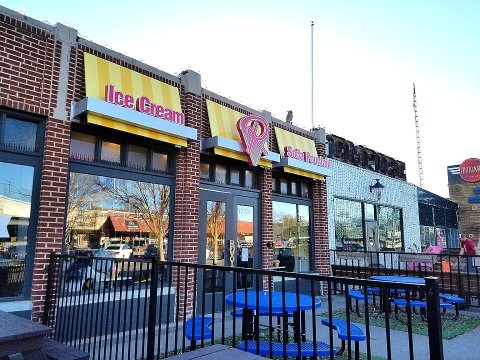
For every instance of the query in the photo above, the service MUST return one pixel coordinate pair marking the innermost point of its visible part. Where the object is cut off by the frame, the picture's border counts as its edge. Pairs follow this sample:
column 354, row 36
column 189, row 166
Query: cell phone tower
column 417, row 129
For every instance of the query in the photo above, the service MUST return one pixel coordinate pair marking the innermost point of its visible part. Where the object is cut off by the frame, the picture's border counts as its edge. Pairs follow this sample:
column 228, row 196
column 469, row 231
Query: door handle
column 232, row 252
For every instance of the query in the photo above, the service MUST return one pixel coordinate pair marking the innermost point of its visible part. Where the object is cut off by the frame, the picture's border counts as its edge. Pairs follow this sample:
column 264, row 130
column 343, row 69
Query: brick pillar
column 53, row 188
column 266, row 219
column 187, row 188
column 320, row 226
column 51, row 211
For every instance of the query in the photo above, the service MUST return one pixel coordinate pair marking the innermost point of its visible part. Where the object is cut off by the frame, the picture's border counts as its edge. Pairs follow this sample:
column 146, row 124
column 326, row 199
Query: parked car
column 88, row 273
column 119, row 251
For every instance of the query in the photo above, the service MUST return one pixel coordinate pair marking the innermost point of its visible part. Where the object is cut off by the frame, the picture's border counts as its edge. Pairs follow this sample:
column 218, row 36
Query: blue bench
column 201, row 331
column 341, row 326
column 422, row 304
column 238, row 312
column 358, row 296
column 455, row 300
column 291, row 349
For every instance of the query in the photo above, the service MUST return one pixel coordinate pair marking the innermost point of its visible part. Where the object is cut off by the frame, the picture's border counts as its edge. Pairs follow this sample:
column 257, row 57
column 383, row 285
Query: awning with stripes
column 225, row 139
column 99, row 73
column 298, row 166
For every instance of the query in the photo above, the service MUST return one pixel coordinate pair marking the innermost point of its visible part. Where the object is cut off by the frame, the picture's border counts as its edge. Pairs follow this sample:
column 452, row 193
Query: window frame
column 33, row 159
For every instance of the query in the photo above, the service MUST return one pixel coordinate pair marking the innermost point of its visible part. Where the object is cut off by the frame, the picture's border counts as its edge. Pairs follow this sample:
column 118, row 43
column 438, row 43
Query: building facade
column 98, row 148
column 464, row 189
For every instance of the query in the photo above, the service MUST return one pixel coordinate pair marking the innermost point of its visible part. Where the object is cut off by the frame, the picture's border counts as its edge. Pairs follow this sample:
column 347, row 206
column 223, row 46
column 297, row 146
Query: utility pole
column 311, row 45
column 419, row 151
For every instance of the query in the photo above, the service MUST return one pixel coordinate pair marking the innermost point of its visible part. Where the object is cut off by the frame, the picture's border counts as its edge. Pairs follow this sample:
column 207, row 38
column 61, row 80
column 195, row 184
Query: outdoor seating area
column 172, row 312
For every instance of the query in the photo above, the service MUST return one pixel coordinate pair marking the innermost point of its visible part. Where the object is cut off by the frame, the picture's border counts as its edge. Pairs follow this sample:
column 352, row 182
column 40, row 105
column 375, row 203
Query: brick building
column 97, row 147
column 464, row 189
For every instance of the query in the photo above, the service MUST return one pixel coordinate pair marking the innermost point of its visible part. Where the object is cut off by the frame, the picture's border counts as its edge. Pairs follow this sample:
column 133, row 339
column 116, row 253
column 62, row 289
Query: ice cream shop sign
column 142, row 104
column 306, row 157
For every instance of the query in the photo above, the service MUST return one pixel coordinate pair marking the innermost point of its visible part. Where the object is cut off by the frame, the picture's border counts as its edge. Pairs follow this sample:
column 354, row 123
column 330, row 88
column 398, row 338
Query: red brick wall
column 28, row 72
column 187, row 198
column 29, row 75
column 51, row 211
column 320, row 228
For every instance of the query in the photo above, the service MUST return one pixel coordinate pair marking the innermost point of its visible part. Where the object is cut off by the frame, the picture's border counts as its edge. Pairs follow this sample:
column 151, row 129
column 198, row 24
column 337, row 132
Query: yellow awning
column 121, row 126
column 286, row 138
column 303, row 173
column 99, row 73
column 223, row 123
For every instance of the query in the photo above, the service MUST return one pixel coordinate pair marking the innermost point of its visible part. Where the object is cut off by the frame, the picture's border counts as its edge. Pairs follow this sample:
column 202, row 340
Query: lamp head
column 377, row 188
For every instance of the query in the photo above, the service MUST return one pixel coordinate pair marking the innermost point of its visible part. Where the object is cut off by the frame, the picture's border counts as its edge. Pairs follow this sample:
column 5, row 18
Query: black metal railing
column 148, row 309
column 458, row 274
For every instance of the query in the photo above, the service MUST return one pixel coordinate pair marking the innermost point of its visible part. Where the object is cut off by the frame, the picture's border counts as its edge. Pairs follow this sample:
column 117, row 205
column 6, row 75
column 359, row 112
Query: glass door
column 228, row 234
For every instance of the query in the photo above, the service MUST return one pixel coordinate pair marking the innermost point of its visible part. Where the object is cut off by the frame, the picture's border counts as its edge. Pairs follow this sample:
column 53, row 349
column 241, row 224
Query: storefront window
column 137, row 157
column 369, row 211
column 294, row 188
column 205, row 170
column 235, row 177
column 159, row 162
column 103, row 210
column 390, row 230
column 283, row 186
column 250, row 179
column 110, row 152
column 82, row 146
column 305, row 190
column 291, row 236
column 348, row 225
column 220, row 174
column 19, row 134
column 215, row 249
column 16, row 185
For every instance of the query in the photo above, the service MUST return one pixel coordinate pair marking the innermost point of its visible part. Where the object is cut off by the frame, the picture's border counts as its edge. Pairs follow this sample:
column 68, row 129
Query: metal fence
column 458, row 274
column 148, row 309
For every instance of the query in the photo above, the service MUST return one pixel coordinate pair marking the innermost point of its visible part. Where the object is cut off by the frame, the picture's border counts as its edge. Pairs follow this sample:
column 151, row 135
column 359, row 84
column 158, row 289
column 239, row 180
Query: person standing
column 468, row 247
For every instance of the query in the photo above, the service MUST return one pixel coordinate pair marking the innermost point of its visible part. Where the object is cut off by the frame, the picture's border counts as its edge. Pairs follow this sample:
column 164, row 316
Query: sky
column 366, row 56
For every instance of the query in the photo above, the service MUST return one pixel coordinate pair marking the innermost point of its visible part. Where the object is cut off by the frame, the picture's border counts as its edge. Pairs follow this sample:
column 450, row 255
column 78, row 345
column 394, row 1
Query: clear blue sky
column 367, row 54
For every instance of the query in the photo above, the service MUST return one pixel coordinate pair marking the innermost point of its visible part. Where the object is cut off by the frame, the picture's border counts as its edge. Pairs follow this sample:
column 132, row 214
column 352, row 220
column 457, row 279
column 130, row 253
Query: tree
column 150, row 202
column 83, row 191
column 216, row 225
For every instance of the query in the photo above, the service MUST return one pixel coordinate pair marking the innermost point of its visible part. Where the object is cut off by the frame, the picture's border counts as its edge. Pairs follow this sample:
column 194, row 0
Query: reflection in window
column 389, row 228
column 305, row 190
column 103, row 210
column 250, row 179
column 348, row 225
column 16, row 185
column 205, row 170
column 294, row 188
column 291, row 236
column 235, row 177
column 82, row 146
column 110, row 152
column 215, row 247
column 159, row 162
column 19, row 134
column 274, row 184
column 283, row 186
column 369, row 212
column 137, row 157
column 245, row 244
column 221, row 174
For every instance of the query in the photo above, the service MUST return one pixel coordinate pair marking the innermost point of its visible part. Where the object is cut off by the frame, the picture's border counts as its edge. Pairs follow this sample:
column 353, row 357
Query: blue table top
column 401, row 279
column 305, row 301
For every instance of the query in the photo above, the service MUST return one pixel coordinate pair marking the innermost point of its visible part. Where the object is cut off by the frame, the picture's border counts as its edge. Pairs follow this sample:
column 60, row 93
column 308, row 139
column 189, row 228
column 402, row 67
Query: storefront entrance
column 229, row 236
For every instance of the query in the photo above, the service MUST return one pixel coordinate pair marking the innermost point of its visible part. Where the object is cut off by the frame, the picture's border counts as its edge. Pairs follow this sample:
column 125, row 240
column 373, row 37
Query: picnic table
column 19, row 335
